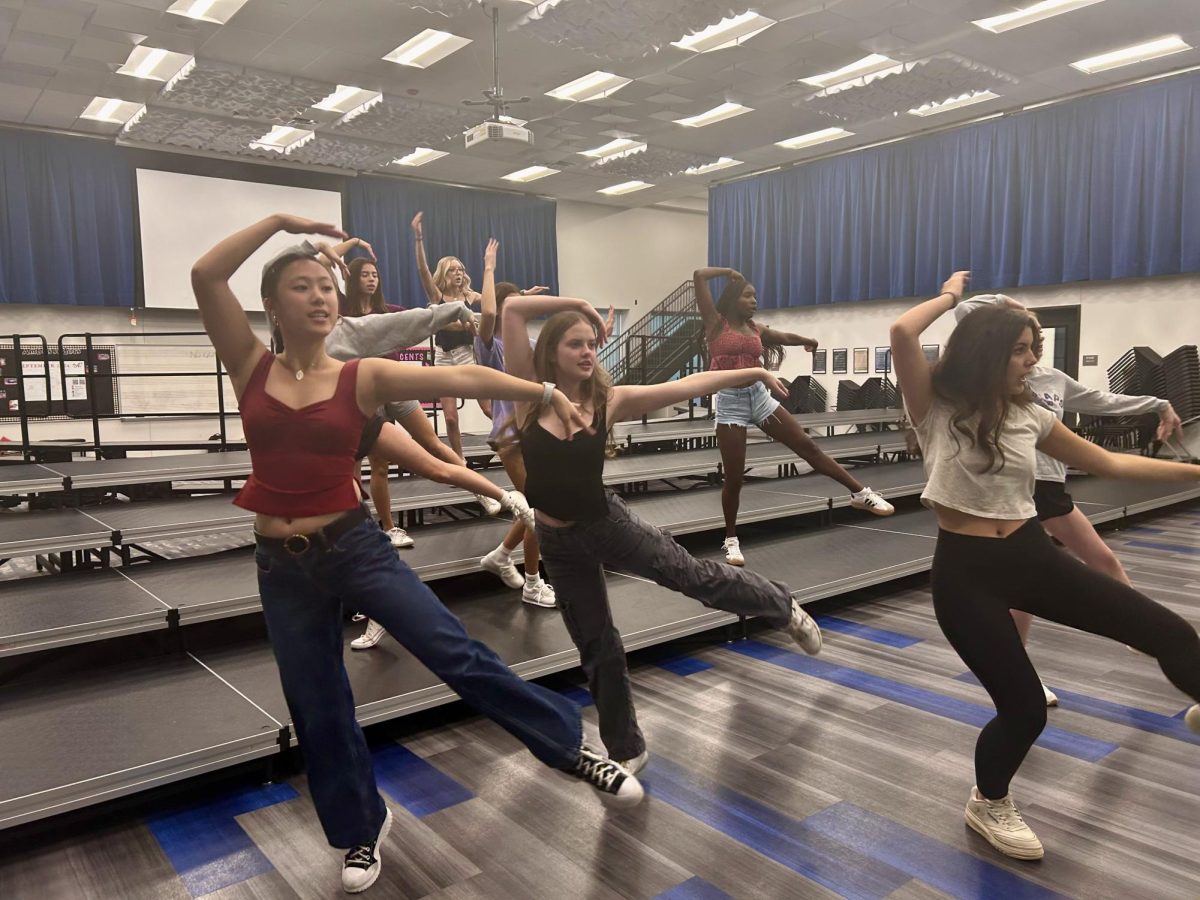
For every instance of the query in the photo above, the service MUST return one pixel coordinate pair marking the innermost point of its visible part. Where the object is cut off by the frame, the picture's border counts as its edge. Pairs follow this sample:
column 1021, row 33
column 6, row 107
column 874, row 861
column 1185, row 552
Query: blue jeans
column 302, row 600
column 575, row 558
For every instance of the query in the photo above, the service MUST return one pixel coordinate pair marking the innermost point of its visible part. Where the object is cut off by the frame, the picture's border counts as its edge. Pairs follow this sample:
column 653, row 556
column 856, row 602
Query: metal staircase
column 665, row 343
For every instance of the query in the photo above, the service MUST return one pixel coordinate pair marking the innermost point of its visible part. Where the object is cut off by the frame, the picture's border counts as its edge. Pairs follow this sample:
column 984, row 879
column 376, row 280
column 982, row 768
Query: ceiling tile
column 56, row 22
column 16, row 101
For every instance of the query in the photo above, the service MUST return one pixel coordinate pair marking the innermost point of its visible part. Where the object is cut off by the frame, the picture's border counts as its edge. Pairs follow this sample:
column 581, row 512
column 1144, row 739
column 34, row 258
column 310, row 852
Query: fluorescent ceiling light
column 1163, row 46
column 593, row 86
column 723, row 163
column 533, row 173
column 716, row 114
column 110, row 109
column 814, row 137
column 419, row 157
column 426, row 48
column 349, row 100
column 216, row 11
column 725, row 33
column 615, row 149
column 155, row 63
column 868, row 65
column 625, row 187
column 1045, row 10
column 930, row 109
column 283, row 139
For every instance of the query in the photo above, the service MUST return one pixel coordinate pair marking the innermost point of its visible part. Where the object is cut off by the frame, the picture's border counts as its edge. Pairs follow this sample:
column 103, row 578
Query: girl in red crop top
column 736, row 341
column 583, row 529
column 317, row 549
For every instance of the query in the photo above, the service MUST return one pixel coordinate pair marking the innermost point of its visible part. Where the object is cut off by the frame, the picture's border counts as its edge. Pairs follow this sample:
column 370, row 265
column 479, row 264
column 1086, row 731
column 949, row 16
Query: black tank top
column 452, row 339
column 564, row 479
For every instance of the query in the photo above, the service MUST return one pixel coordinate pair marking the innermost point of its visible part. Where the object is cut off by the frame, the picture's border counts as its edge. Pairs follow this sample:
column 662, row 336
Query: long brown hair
column 972, row 375
column 358, row 303
column 727, row 303
column 595, row 389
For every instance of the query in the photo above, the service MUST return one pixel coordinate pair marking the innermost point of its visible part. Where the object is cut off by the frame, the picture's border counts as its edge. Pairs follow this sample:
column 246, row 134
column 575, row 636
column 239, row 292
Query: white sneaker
column 872, row 502
column 490, row 507
column 635, row 765
column 505, row 570
column 733, row 552
column 1051, row 697
column 539, row 593
column 1000, row 823
column 804, row 630
column 372, row 636
column 617, row 786
column 1192, row 718
column 363, row 863
column 399, row 538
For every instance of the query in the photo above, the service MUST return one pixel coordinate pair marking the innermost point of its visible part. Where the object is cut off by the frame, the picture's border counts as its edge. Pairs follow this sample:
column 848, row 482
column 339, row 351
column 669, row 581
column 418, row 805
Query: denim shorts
column 455, row 356
column 400, row 409
column 745, row 406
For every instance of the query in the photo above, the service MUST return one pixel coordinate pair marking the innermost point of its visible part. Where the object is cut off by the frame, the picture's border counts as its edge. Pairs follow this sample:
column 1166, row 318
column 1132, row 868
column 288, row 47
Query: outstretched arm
column 1068, row 447
column 518, row 357
column 357, row 337
column 350, row 243
column 431, row 292
column 908, row 360
column 1078, row 398
column 222, row 314
column 487, row 298
column 787, row 339
column 630, row 401
column 704, row 298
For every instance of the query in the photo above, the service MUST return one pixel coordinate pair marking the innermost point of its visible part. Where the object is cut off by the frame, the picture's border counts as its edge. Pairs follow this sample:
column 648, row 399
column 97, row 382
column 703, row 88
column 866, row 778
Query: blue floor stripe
column 580, row 695
column 953, row 871
column 1143, row 529
column 1132, row 716
column 695, row 888
column 682, row 665
column 206, row 845
column 416, row 785
column 866, row 632
column 779, row 837
column 1169, row 548
column 1052, row 738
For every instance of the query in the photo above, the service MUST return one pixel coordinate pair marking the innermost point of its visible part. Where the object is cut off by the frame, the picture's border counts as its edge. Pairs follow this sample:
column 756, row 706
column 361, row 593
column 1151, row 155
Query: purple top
column 503, row 411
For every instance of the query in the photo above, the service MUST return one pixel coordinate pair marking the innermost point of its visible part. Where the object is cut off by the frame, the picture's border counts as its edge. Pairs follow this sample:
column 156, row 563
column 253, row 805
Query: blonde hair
column 441, row 279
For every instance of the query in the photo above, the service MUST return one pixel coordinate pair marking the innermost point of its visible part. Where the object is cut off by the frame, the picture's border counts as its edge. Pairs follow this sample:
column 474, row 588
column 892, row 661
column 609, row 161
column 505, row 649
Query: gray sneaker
column 1001, row 824
column 804, row 630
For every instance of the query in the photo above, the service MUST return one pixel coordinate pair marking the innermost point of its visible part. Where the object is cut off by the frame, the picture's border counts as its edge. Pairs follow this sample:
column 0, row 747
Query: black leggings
column 977, row 580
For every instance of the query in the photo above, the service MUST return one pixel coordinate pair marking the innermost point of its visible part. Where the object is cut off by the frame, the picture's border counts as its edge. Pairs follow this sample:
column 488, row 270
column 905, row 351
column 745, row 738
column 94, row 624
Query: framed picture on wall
column 883, row 360
column 932, row 351
column 862, row 360
column 818, row 362
column 839, row 361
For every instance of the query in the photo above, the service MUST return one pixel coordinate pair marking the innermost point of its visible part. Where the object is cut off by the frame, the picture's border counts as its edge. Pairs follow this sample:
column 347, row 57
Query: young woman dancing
column 582, row 527
column 449, row 281
column 1059, row 393
column 980, row 430
column 735, row 341
column 303, row 413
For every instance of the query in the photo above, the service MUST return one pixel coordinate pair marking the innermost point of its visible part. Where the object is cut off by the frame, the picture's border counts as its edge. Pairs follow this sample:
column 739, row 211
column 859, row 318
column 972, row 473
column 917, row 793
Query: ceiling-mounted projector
column 502, row 138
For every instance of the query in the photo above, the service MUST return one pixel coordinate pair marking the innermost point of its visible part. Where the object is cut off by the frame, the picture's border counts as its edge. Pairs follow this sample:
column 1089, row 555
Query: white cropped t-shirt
column 957, row 474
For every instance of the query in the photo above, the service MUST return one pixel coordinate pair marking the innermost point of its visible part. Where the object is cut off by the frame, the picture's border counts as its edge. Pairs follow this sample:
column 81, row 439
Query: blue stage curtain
column 458, row 222
column 1098, row 188
column 67, row 222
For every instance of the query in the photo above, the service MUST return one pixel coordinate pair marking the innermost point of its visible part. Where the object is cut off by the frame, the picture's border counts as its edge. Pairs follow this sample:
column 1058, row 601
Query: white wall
column 1161, row 313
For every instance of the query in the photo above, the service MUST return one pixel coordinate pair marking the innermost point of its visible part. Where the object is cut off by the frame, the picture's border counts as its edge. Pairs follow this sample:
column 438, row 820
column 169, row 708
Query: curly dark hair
column 727, row 302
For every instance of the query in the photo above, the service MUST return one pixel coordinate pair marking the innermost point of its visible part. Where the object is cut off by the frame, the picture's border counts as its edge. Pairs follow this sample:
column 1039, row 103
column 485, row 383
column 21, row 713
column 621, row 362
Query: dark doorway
column 1063, row 321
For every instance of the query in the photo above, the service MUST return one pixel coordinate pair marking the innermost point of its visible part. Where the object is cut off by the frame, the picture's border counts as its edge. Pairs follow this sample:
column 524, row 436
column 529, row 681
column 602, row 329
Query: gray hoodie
column 359, row 337
column 1059, row 393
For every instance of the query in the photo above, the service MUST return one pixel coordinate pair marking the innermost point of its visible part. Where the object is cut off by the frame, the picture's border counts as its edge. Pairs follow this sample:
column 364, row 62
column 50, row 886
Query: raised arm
column 1065, row 445
column 518, row 357
column 908, row 360
column 223, row 317
column 704, row 298
column 632, row 400
column 351, row 243
column 487, row 297
column 431, row 292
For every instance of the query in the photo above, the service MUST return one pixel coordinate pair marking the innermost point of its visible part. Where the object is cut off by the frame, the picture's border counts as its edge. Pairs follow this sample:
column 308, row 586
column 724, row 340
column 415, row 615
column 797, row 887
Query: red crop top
column 302, row 459
column 730, row 350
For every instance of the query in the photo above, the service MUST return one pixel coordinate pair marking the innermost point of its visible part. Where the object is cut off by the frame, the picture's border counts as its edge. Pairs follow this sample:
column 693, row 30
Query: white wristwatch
column 547, row 391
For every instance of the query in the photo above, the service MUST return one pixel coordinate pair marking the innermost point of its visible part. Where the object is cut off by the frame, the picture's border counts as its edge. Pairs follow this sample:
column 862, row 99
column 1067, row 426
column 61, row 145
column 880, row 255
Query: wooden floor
column 772, row 776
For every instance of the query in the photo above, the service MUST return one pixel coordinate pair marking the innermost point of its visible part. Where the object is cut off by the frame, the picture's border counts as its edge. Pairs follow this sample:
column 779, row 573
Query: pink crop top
column 730, row 350
column 303, row 460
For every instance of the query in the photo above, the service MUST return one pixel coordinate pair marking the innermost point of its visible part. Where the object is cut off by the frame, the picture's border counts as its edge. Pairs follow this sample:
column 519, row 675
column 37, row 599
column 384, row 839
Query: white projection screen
column 182, row 216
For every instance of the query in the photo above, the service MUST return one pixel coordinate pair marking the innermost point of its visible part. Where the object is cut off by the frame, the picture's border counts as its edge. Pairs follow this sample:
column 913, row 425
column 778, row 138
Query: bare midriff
column 974, row 526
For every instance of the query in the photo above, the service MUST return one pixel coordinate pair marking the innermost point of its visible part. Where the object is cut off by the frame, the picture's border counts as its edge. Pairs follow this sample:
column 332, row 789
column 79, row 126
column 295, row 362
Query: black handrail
column 22, row 412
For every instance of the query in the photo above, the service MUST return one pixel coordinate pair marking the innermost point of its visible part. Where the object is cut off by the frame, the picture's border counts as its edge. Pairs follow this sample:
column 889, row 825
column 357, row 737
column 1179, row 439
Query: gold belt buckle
column 297, row 544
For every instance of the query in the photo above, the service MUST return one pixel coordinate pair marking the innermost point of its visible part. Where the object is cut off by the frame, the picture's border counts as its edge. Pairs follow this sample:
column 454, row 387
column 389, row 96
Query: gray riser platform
column 41, row 532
